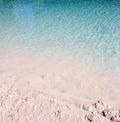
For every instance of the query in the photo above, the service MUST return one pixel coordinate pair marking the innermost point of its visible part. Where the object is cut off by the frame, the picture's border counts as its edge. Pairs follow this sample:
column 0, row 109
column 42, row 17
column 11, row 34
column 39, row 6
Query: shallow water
column 69, row 28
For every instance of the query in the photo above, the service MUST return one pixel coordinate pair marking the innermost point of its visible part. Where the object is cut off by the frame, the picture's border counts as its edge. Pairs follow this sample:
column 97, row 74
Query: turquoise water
column 77, row 28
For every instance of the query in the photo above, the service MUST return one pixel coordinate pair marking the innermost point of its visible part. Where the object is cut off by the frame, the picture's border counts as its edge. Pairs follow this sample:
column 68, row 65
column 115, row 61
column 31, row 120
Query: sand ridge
column 21, row 105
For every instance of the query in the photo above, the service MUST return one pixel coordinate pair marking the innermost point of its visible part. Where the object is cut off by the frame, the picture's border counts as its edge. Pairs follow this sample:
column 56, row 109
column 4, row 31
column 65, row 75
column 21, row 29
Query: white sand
column 41, row 88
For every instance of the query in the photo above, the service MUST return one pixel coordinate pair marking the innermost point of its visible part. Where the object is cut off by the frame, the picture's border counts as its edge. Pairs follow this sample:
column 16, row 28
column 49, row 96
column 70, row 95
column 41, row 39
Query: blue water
column 77, row 28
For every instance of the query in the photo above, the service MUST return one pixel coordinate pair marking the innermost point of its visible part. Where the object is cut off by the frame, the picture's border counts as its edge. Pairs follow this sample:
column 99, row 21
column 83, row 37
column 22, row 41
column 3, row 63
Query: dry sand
column 42, row 88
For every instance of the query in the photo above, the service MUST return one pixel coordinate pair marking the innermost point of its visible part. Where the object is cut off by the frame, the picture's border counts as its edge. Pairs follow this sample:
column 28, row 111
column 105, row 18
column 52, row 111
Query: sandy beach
column 41, row 88
column 59, row 60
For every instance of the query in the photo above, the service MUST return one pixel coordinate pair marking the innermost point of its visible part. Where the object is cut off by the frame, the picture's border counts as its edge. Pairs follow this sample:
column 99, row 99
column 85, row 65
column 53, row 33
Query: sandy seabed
column 42, row 88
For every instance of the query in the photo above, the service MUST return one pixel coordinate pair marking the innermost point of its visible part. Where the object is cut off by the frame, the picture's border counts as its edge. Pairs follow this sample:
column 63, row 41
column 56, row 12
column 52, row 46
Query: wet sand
column 38, row 88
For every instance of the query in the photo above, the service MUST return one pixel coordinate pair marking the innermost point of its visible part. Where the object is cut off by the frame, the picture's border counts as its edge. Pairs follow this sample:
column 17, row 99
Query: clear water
column 77, row 28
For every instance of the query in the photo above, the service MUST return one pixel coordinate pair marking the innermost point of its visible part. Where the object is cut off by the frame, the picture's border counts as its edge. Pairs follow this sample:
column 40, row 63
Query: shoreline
column 62, row 79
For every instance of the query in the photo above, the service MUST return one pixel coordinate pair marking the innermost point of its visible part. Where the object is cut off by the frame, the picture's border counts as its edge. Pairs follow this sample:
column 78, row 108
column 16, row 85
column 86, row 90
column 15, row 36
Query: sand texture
column 21, row 105
column 34, row 89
